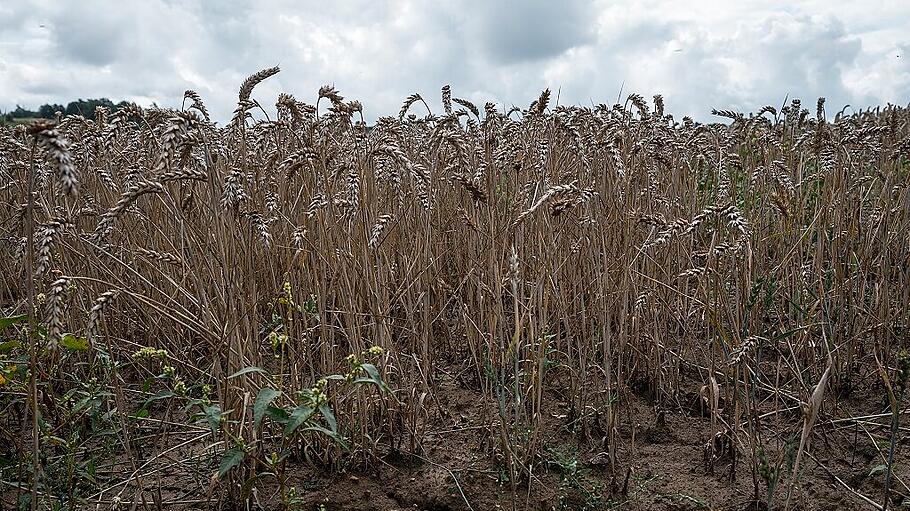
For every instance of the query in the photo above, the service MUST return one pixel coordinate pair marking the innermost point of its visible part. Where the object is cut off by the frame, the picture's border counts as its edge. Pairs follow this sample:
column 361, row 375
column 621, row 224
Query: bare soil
column 661, row 464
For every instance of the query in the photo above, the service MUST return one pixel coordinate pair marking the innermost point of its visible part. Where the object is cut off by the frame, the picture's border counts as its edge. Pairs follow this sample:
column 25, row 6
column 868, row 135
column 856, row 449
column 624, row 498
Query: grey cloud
column 87, row 35
column 532, row 30
column 380, row 52
column 12, row 16
column 697, row 69
column 641, row 37
column 800, row 55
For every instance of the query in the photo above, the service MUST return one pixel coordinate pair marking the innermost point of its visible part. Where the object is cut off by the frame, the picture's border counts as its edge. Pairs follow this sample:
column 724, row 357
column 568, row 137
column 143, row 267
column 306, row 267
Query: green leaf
column 232, row 457
column 213, row 416
column 164, row 394
column 73, row 343
column 277, row 414
column 263, row 400
column 12, row 320
column 326, row 412
column 246, row 370
column 374, row 377
column 331, row 434
column 300, row 415
column 788, row 333
column 8, row 346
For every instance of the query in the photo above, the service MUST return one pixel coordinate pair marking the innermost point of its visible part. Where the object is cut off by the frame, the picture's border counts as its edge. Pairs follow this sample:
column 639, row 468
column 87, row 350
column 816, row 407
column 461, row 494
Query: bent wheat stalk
column 810, row 415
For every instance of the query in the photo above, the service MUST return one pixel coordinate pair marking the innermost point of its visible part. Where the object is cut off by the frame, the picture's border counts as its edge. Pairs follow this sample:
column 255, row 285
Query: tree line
column 83, row 107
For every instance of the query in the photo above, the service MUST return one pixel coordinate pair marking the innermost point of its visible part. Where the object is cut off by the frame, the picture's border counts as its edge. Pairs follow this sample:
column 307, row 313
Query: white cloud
column 739, row 55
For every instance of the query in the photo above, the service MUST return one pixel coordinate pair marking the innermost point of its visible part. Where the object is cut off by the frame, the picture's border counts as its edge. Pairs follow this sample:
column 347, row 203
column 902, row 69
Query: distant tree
column 83, row 107
column 20, row 113
column 74, row 108
column 78, row 107
column 47, row 111
column 86, row 107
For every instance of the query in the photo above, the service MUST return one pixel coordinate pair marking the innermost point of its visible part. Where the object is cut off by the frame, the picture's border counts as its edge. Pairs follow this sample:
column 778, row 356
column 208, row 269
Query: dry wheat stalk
column 163, row 257
column 378, row 228
column 58, row 151
column 101, row 305
column 413, row 226
column 197, row 102
column 56, row 306
column 126, row 199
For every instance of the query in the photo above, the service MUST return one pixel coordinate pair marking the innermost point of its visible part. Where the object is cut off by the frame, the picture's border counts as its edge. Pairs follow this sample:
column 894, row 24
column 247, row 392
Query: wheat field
column 551, row 307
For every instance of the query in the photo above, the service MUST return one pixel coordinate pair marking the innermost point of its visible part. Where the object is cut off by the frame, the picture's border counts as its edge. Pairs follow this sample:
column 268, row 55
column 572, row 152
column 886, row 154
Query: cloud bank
column 714, row 55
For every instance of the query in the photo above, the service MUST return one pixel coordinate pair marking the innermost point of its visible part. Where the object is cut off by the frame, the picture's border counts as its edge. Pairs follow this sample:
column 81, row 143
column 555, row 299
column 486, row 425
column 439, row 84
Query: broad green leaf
column 232, row 457
column 262, row 402
column 213, row 416
column 190, row 404
column 277, row 414
column 331, row 434
column 374, row 377
column 12, row 320
column 73, row 343
column 247, row 370
column 164, row 394
column 82, row 403
column 326, row 412
column 300, row 415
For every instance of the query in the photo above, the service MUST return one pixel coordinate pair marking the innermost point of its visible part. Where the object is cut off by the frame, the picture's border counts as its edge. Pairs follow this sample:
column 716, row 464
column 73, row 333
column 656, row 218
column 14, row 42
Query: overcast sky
column 727, row 55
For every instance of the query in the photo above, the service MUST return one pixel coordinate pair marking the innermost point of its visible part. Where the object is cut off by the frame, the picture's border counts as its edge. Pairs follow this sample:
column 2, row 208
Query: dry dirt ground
column 661, row 463
column 661, row 466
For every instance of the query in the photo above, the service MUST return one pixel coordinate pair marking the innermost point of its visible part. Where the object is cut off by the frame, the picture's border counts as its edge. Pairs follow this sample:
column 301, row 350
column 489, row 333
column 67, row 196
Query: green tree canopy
column 83, row 107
